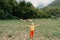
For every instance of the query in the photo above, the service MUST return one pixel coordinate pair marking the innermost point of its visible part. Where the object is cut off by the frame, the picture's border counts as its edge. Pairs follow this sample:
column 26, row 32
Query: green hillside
column 55, row 3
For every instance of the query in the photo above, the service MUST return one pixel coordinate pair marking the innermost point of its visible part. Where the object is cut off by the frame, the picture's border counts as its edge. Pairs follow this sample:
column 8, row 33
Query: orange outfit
column 31, row 34
column 32, row 31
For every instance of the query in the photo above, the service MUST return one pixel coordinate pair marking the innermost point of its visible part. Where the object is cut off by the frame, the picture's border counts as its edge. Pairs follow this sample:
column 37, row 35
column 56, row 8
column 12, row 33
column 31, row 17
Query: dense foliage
column 10, row 9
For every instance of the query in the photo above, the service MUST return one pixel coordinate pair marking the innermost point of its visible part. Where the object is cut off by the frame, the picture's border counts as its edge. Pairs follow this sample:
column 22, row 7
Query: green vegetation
column 15, row 29
column 10, row 9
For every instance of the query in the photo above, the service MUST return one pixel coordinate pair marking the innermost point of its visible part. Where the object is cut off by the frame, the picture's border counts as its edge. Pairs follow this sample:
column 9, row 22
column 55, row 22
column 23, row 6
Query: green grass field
column 17, row 30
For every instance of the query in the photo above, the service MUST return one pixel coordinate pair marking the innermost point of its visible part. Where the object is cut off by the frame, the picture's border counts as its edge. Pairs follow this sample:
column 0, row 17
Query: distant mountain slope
column 52, row 4
column 40, row 6
column 55, row 3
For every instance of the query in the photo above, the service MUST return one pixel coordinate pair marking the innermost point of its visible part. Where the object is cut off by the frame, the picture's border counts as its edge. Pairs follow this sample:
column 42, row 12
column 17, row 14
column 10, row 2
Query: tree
column 25, row 10
column 7, row 6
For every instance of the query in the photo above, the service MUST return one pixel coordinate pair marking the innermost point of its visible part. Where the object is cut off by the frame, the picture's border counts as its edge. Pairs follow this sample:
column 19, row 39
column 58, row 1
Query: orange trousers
column 31, row 33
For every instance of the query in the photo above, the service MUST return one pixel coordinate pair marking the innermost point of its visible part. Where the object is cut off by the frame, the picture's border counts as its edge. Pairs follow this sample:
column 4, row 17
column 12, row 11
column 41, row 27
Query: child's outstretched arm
column 37, row 25
column 28, row 25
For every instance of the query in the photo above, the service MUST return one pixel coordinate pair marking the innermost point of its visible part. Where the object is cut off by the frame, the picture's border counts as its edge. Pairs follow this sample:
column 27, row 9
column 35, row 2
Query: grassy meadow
column 49, row 29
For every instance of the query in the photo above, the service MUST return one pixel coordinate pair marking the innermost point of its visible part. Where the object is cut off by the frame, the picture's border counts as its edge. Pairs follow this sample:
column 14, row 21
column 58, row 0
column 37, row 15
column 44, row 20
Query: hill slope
column 55, row 3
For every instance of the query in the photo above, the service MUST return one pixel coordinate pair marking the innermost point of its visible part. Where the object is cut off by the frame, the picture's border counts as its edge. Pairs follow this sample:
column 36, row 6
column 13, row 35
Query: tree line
column 10, row 9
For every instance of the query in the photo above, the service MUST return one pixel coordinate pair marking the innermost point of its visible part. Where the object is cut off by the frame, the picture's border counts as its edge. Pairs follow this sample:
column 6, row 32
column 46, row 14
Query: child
column 32, row 26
